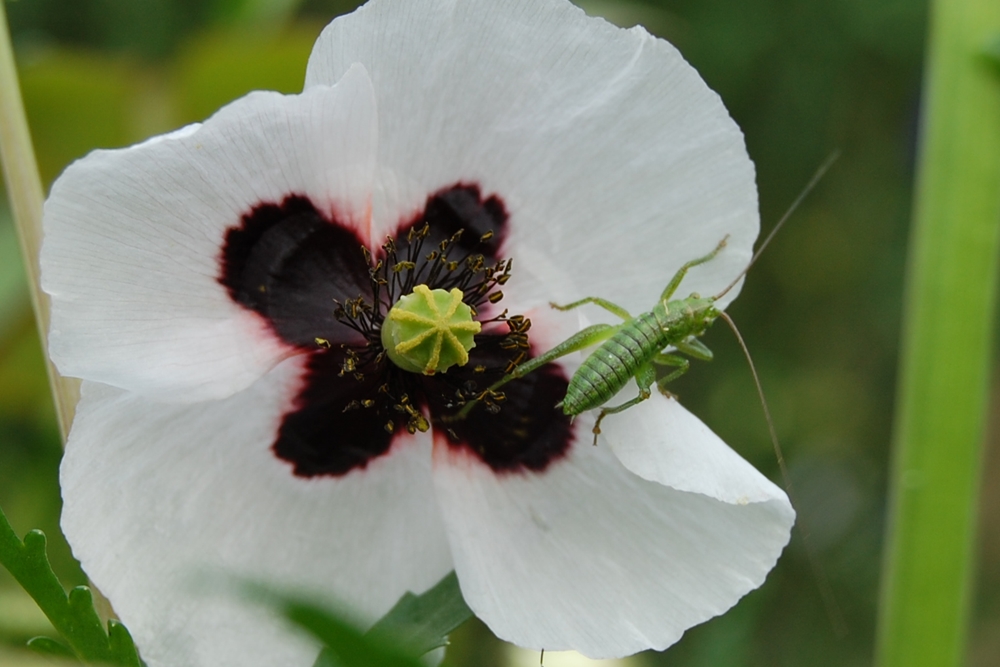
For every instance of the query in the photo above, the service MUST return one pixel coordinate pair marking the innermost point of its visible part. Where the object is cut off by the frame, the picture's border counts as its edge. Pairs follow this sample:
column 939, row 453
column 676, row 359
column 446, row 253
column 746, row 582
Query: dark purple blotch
column 292, row 264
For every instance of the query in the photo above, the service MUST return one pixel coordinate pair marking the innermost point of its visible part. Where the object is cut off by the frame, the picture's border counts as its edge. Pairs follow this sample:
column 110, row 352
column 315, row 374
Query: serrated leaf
column 122, row 647
column 73, row 615
column 49, row 646
column 422, row 623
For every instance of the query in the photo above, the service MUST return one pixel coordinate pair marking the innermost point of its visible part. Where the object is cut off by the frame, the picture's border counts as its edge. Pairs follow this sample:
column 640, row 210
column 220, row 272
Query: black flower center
column 322, row 290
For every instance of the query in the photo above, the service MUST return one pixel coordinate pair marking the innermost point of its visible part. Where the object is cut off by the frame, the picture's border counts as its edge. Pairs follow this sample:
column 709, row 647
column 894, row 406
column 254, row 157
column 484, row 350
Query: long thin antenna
column 817, row 177
column 825, row 590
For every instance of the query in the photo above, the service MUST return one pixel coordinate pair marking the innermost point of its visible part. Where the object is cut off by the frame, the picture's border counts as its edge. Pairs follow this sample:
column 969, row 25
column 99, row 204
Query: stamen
column 423, row 315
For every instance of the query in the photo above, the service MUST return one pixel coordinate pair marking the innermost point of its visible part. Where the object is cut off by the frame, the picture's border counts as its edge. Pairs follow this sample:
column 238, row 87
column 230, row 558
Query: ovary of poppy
column 221, row 291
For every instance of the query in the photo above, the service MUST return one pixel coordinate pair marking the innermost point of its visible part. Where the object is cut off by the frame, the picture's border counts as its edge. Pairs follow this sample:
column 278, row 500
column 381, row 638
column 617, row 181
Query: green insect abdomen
column 613, row 364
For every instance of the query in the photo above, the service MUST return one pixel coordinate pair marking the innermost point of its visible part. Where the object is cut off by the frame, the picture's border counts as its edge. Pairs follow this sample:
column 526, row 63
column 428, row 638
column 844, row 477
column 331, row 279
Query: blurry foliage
column 820, row 312
column 148, row 28
column 76, row 101
column 216, row 68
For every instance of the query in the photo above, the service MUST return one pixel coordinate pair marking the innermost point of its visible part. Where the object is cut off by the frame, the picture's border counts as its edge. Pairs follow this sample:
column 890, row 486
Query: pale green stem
column 946, row 358
column 24, row 188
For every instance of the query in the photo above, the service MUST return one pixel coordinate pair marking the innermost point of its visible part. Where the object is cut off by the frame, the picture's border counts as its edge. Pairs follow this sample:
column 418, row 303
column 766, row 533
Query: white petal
column 133, row 237
column 661, row 441
column 590, row 557
column 158, row 495
column 615, row 160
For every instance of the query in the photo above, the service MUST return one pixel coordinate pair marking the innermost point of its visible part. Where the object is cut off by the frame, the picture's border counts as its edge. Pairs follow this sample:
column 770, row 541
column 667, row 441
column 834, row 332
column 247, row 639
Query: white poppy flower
column 234, row 420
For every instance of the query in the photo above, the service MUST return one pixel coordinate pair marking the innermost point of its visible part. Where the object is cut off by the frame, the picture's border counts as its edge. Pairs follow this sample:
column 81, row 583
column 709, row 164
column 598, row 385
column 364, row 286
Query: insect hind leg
column 643, row 395
column 644, row 379
column 592, row 335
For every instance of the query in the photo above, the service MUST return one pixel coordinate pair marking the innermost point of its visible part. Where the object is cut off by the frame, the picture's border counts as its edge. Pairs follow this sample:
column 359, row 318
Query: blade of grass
column 947, row 343
column 24, row 188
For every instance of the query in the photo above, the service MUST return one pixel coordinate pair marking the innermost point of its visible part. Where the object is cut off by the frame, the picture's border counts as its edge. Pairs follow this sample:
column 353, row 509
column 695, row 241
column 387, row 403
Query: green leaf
column 415, row 625
column 422, row 623
column 326, row 658
column 345, row 645
column 72, row 615
column 123, row 649
column 49, row 646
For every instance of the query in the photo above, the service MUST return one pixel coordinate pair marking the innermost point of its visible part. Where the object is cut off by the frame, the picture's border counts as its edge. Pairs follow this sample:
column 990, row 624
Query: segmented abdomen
column 613, row 364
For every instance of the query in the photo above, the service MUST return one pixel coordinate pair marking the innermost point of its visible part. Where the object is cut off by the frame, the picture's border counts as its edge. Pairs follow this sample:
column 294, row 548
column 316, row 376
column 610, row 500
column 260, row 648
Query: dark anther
column 415, row 421
column 475, row 262
column 519, row 324
column 415, row 233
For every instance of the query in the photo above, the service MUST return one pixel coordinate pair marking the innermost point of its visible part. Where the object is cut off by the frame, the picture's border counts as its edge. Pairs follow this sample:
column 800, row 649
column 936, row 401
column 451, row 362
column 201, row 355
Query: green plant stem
column 24, row 187
column 947, row 343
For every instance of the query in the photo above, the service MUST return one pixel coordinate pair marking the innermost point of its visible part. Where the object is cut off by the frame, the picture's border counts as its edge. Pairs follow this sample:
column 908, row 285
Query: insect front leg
column 695, row 349
column 644, row 379
column 691, row 347
column 612, row 308
column 675, row 282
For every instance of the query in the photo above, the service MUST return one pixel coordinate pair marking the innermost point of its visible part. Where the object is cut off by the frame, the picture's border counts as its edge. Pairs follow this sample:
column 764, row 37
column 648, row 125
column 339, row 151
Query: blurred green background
column 820, row 312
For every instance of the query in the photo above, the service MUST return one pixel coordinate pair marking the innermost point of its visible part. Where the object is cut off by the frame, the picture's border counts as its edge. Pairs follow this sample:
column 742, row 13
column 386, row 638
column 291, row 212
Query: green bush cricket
column 632, row 349
column 637, row 347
